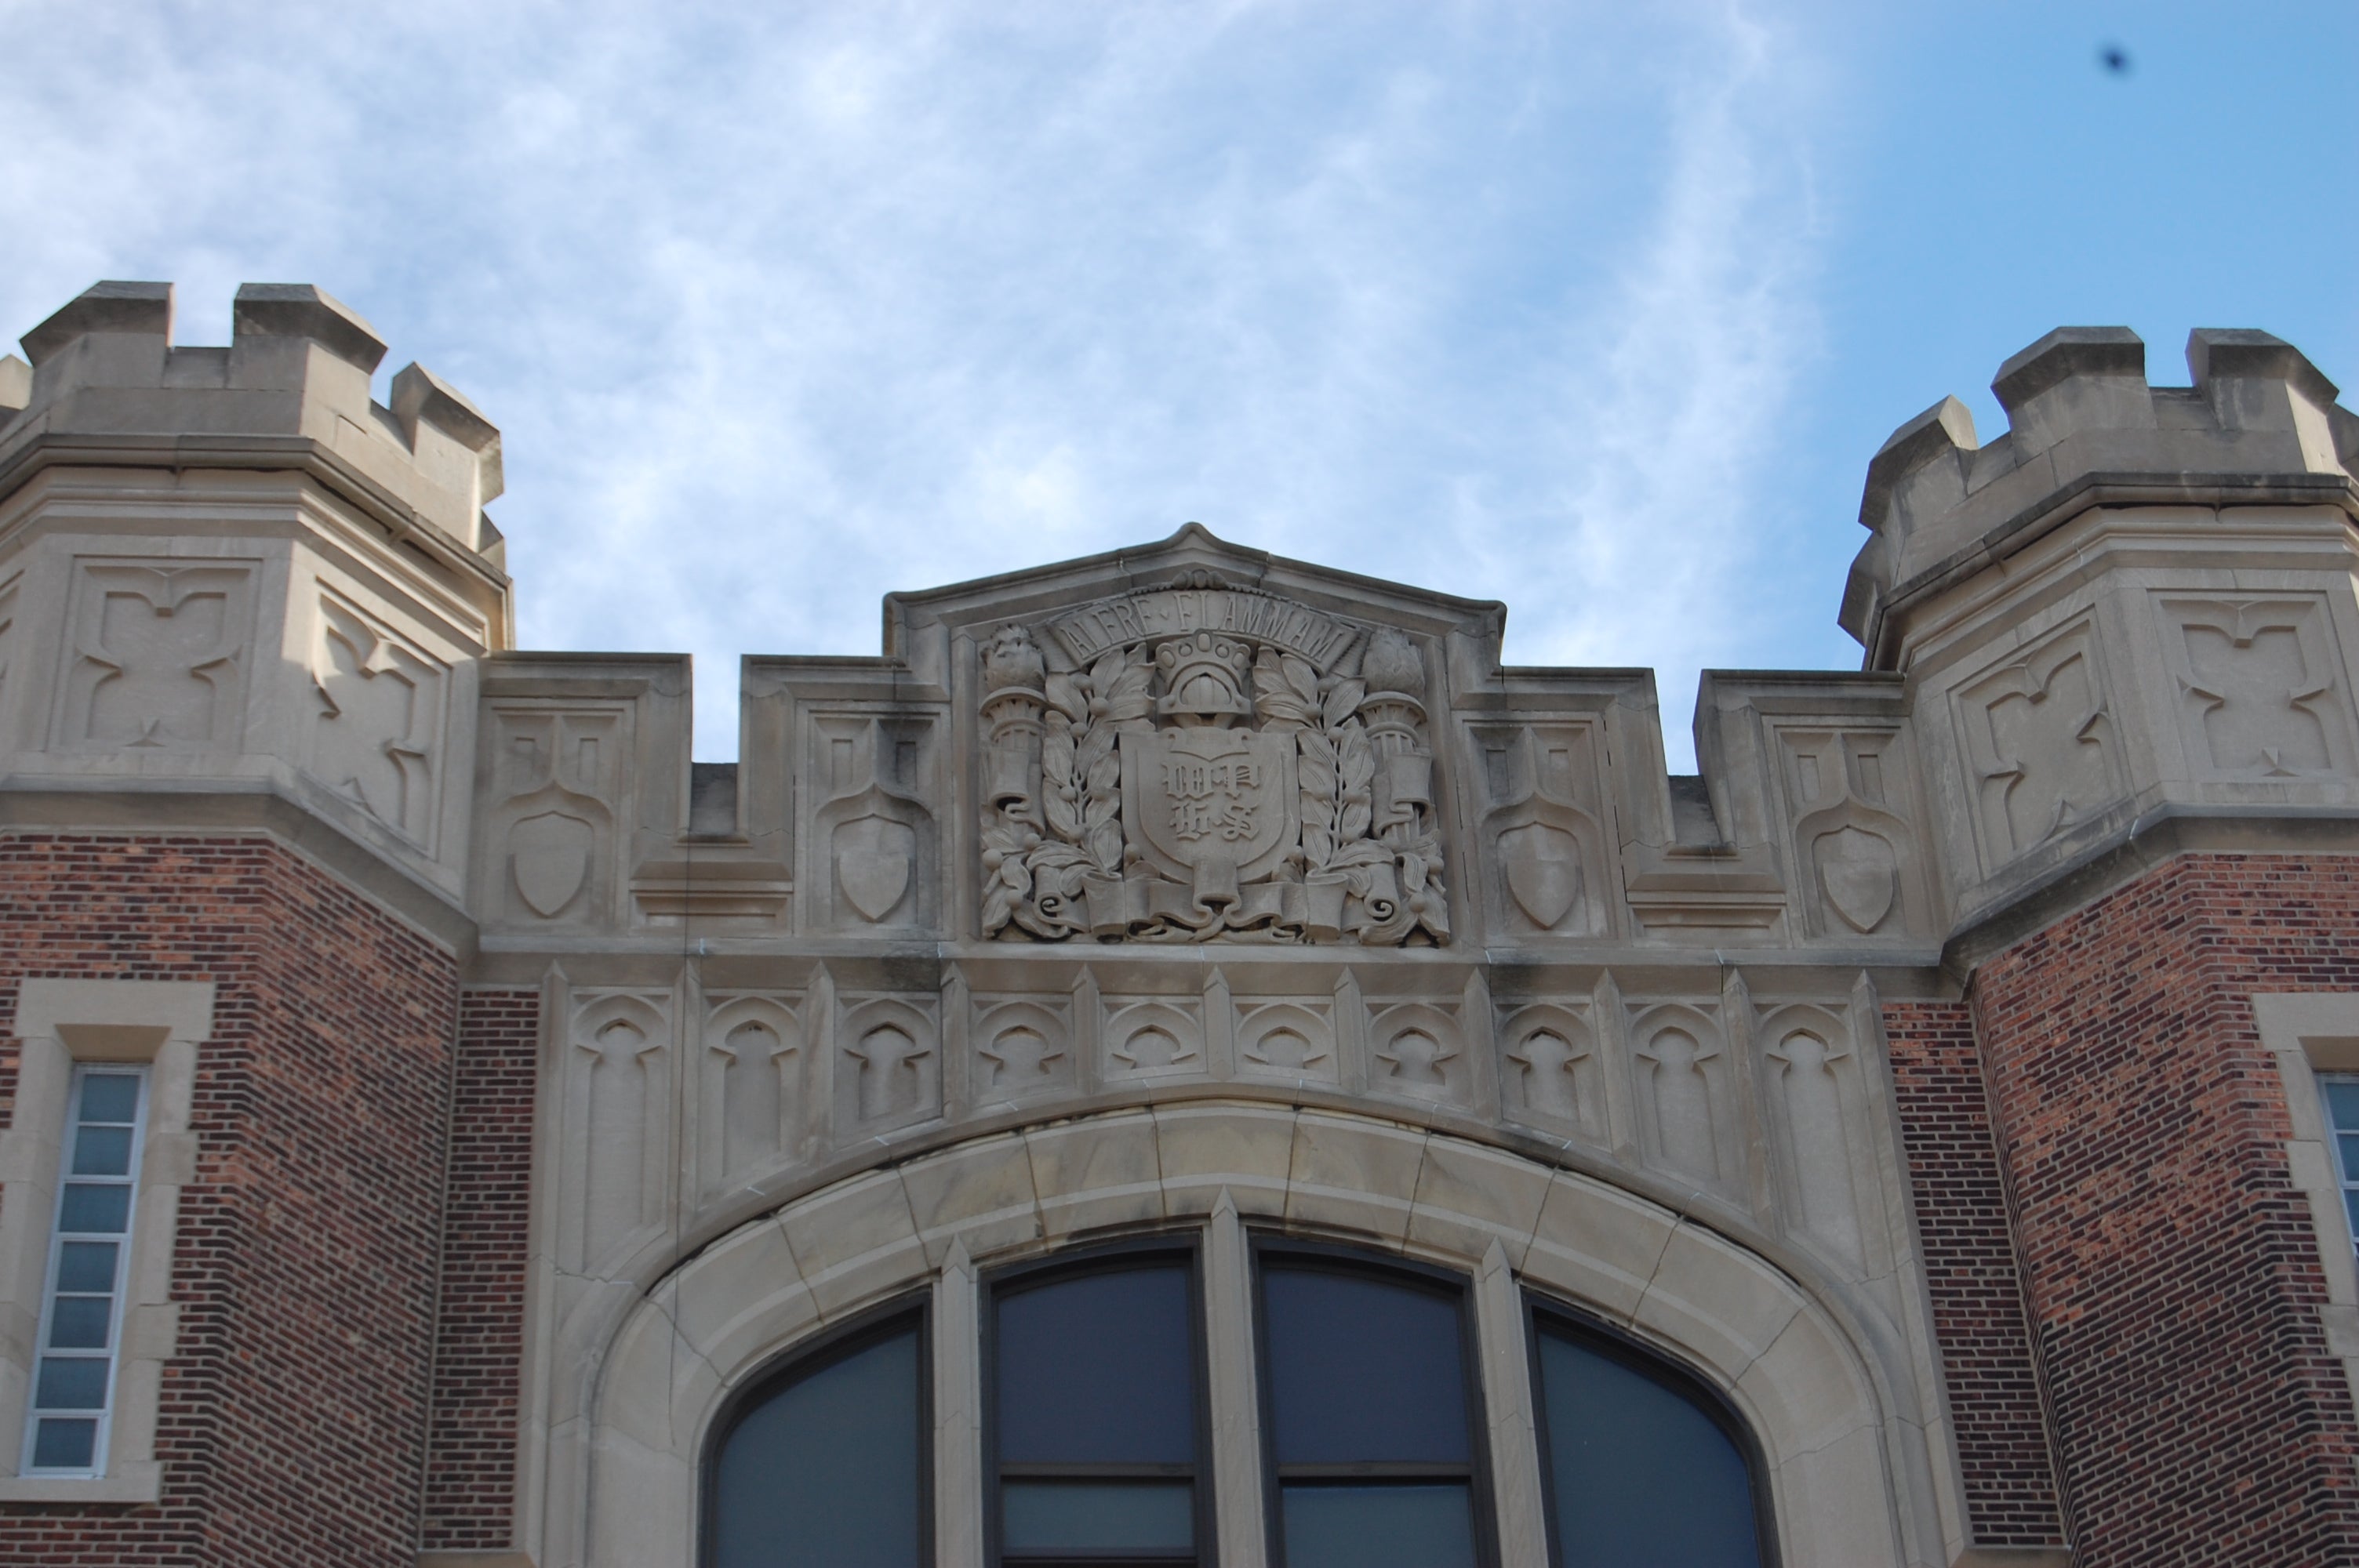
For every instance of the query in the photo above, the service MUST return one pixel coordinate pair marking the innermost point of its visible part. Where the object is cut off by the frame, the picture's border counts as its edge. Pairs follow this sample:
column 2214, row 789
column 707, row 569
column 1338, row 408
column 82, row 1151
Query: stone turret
column 2260, row 425
column 2125, row 617
column 231, row 578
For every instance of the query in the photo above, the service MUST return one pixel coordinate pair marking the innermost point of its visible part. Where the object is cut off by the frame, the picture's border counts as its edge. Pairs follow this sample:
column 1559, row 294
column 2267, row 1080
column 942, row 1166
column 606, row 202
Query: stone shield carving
column 551, row 853
column 1543, row 870
column 1215, row 808
column 874, row 857
column 1206, row 761
column 1861, row 875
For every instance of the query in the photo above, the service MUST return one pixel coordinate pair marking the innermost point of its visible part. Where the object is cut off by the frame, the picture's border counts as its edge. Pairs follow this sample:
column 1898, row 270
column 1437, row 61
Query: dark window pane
column 1408, row 1526
column 1098, row 1516
column 72, row 1383
column 2349, row 1142
column 824, row 1474
column 1098, row 1368
column 109, row 1096
column 103, row 1151
column 68, row 1445
column 79, row 1322
column 1642, row 1478
column 86, row 1266
column 89, row 1206
column 1362, row 1369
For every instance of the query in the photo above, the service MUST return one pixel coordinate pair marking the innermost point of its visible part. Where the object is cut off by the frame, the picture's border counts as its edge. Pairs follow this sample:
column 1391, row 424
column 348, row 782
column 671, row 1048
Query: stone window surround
column 61, row 1025
column 725, row 1316
column 2310, row 1034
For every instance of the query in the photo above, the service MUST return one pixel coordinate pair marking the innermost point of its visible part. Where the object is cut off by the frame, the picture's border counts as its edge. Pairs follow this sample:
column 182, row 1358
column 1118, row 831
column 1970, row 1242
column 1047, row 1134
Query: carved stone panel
column 1815, row 1102
column 1154, row 1037
column 1024, row 1049
column 1208, row 762
column 1686, row 1096
column 2039, row 736
column 873, row 830
column 754, row 1086
column 556, row 789
column 1290, row 1040
column 1554, row 1074
column 1548, row 852
column 1417, row 1051
column 377, row 734
column 888, row 1071
column 618, row 1118
column 1859, row 859
column 157, row 658
column 2260, row 686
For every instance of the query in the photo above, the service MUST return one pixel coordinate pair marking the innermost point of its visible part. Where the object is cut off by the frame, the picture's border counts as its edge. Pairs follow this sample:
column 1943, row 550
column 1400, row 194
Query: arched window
column 1093, row 1442
column 1096, row 1430
column 1373, row 1423
column 825, row 1464
column 1645, row 1466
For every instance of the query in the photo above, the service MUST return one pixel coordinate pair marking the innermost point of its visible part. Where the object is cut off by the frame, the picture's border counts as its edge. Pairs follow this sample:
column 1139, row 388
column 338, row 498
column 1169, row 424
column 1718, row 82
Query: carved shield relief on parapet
column 1205, row 762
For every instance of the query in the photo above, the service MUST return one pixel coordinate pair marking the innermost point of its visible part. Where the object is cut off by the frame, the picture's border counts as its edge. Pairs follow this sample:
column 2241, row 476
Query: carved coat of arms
column 1204, row 762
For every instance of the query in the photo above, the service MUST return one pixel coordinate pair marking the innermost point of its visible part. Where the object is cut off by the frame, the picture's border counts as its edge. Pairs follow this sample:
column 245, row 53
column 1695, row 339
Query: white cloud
column 784, row 308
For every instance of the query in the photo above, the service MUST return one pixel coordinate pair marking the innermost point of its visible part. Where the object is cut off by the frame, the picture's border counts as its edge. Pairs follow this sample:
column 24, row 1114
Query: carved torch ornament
column 1210, row 776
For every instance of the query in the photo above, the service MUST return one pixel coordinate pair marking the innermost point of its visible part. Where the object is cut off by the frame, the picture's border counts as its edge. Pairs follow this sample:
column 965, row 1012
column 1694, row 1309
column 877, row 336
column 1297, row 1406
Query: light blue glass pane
column 79, row 1322
column 68, row 1444
column 2351, row 1205
column 1098, row 1516
column 825, row 1472
column 103, row 1151
column 72, row 1383
column 86, row 1266
column 1642, row 1478
column 110, row 1096
column 1412, row 1526
column 2349, row 1146
column 2342, row 1102
column 93, row 1209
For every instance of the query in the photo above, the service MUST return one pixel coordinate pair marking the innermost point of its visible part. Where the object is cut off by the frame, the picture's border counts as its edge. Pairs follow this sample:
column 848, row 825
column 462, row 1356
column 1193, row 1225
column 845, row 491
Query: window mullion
column 1236, row 1458
column 958, row 1415
column 1505, row 1355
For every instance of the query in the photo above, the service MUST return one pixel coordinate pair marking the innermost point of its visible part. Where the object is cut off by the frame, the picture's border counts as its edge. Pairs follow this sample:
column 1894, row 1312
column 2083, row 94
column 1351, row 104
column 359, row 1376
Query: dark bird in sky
column 2115, row 59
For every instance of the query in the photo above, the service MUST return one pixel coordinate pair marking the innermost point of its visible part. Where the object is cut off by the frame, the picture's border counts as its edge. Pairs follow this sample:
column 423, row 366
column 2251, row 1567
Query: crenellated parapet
column 2127, row 618
column 2260, row 425
column 1189, row 835
column 236, row 590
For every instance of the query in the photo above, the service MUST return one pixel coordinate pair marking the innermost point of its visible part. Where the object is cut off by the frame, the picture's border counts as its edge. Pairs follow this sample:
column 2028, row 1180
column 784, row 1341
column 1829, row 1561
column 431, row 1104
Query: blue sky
column 1598, row 310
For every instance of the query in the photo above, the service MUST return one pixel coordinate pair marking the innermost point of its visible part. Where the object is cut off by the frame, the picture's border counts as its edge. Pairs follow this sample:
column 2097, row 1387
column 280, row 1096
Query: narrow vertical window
column 1644, row 1469
column 1097, row 1421
column 2342, row 1129
column 824, row 1466
column 1372, row 1427
column 81, row 1311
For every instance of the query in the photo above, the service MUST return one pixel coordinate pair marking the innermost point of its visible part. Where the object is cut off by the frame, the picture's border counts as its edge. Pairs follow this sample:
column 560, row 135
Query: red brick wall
column 2170, row 1266
column 471, row 1469
column 1970, row 1272
column 293, row 1417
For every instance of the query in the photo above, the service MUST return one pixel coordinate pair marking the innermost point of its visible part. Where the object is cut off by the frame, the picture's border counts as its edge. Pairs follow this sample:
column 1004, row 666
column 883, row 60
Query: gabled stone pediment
column 1193, row 743
column 1139, row 582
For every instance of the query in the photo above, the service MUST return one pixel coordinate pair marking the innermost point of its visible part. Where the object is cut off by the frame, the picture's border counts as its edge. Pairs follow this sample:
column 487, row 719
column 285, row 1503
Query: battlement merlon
column 2259, row 427
column 106, row 385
